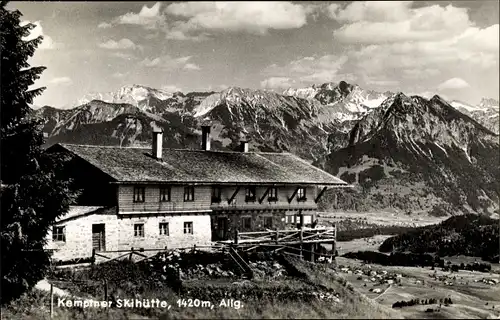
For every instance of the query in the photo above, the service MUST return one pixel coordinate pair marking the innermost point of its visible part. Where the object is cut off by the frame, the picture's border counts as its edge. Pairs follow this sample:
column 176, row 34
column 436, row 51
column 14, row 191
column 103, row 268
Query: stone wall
column 119, row 234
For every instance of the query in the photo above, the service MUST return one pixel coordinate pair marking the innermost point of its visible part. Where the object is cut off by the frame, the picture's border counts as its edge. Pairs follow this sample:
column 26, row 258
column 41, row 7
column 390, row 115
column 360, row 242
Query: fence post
column 236, row 237
column 105, row 290
column 194, row 248
column 93, row 256
column 334, row 248
column 301, row 241
column 277, row 235
column 51, row 300
column 131, row 253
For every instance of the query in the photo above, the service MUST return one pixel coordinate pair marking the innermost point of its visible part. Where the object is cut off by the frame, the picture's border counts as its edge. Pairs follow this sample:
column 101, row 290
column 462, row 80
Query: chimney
column 244, row 146
column 205, row 138
column 157, row 143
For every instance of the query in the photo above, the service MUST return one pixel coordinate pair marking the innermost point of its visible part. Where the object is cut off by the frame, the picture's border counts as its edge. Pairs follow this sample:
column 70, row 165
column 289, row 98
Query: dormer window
column 301, row 194
column 250, row 194
column 216, row 194
column 273, row 194
column 139, row 194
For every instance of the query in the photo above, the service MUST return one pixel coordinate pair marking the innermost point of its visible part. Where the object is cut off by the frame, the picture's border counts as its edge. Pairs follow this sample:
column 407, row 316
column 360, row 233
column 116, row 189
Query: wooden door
column 222, row 227
column 98, row 237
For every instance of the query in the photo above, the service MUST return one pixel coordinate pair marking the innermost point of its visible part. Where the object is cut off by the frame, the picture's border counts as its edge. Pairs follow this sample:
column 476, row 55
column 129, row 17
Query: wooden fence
column 140, row 252
column 303, row 241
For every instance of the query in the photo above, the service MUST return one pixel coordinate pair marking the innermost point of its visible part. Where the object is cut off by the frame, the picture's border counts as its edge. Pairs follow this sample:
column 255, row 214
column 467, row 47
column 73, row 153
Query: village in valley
column 310, row 197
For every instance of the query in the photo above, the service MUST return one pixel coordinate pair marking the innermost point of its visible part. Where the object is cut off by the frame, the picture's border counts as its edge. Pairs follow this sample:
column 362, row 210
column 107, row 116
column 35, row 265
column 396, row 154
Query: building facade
column 157, row 198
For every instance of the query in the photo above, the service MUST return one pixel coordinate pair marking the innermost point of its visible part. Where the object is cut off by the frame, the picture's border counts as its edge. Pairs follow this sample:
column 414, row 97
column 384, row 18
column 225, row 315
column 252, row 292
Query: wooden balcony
column 265, row 205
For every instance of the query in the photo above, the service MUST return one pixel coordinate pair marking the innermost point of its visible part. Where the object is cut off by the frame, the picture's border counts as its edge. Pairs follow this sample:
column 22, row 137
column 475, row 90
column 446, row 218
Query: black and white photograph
column 250, row 160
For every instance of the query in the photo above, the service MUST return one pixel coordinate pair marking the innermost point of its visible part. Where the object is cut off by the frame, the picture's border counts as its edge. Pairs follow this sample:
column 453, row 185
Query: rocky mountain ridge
column 486, row 112
column 336, row 126
column 414, row 154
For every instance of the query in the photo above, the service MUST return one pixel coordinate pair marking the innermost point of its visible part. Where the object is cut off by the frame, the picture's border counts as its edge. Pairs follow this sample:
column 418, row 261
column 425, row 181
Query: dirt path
column 386, row 290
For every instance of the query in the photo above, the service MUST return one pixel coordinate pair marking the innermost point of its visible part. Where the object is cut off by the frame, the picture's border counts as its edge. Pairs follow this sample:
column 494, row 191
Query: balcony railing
column 264, row 205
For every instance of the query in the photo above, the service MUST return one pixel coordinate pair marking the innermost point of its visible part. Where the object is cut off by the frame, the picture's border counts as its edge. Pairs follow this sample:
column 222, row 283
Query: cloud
column 453, row 84
column 197, row 21
column 383, row 22
column 61, row 81
column 118, row 75
column 428, row 95
column 122, row 44
column 47, row 43
column 148, row 18
column 310, row 70
column 191, row 66
column 173, row 34
column 253, row 17
column 418, row 73
column 276, row 83
column 413, row 48
column 171, row 88
column 169, row 63
column 123, row 55
column 374, row 11
column 104, row 25
column 379, row 81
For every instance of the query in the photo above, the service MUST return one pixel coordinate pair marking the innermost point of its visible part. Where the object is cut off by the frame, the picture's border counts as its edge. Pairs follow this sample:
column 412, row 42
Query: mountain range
column 403, row 153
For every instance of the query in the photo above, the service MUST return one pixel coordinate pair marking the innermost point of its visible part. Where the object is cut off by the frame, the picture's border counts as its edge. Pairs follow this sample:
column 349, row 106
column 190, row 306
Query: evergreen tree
column 33, row 189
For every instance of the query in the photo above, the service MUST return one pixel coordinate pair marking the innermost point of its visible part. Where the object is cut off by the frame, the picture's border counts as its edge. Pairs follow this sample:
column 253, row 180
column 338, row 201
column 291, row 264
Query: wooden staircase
column 245, row 269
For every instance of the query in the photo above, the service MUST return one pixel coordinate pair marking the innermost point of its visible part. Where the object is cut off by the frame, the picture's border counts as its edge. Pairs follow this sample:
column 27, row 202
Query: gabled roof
column 198, row 166
column 75, row 212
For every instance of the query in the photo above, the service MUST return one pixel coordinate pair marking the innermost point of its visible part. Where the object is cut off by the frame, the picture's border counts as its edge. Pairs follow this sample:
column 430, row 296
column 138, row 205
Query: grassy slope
column 35, row 305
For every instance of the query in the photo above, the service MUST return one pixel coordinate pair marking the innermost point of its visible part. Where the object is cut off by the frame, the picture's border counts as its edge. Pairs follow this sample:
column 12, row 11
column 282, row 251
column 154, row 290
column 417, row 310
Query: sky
column 450, row 48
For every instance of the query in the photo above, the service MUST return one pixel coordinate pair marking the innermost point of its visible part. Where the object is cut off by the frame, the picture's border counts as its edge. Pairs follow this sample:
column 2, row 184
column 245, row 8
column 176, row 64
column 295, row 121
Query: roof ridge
column 176, row 149
column 99, row 146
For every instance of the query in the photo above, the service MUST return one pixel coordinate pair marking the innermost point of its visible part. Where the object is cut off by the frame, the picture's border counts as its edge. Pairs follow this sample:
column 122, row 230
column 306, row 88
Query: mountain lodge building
column 177, row 198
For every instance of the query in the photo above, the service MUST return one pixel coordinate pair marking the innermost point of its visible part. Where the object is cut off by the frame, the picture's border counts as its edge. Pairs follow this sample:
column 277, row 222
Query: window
column 250, row 194
column 268, row 222
column 216, row 191
column 273, row 194
column 290, row 219
column 307, row 219
column 246, row 223
column 189, row 193
column 301, row 194
column 188, row 228
column 139, row 194
column 164, row 228
column 139, row 230
column 164, row 194
column 59, row 234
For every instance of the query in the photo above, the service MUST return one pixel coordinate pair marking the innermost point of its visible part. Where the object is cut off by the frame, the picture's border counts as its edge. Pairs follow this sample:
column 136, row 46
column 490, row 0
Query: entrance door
column 222, row 226
column 98, row 237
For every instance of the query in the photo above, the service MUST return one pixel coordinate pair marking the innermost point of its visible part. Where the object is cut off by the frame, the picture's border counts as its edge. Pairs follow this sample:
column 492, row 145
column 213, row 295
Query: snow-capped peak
column 136, row 95
column 488, row 104
column 460, row 106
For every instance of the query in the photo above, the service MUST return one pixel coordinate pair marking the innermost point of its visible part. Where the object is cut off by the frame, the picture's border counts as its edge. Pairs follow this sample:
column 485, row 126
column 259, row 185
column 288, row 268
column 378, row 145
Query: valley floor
column 382, row 218
column 472, row 297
